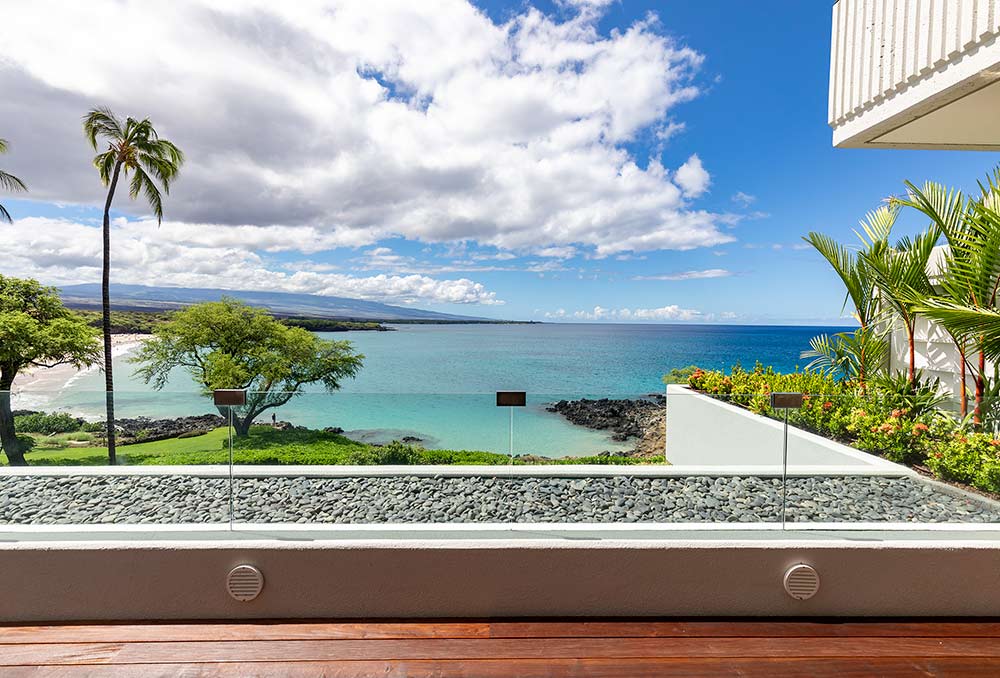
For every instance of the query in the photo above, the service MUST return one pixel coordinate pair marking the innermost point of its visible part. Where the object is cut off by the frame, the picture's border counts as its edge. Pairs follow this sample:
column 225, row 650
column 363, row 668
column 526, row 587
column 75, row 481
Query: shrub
column 92, row 426
column 26, row 442
column 40, row 422
column 972, row 458
column 193, row 434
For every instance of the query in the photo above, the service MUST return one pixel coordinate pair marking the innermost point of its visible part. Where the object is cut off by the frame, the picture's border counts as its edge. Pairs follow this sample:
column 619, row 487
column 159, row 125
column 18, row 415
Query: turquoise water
column 437, row 382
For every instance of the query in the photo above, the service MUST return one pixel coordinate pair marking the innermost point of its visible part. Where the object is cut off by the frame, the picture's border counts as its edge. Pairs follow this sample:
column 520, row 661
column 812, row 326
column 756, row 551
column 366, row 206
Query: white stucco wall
column 707, row 432
column 935, row 355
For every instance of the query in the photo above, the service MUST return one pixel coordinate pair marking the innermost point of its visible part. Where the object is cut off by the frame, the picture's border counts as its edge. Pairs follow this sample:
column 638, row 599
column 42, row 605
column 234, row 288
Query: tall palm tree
column 866, row 350
column 8, row 182
column 133, row 146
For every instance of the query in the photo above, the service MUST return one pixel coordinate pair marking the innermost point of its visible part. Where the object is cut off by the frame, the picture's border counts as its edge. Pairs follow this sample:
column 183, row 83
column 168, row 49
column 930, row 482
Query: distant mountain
column 142, row 298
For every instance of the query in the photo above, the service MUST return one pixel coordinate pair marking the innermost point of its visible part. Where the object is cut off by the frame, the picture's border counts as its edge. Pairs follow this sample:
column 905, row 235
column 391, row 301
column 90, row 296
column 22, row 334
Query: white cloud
column 688, row 275
column 60, row 251
column 692, row 177
column 599, row 313
column 313, row 125
column 744, row 199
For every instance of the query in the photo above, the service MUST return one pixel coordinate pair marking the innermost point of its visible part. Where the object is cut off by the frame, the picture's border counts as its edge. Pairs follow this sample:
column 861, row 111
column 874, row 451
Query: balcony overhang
column 909, row 74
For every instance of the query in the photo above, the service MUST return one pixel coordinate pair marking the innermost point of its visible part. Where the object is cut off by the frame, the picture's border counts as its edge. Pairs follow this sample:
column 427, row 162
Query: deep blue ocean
column 438, row 382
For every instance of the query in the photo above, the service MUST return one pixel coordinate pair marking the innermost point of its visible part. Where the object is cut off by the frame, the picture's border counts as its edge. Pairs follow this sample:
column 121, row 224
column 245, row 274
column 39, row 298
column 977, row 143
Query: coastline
column 52, row 379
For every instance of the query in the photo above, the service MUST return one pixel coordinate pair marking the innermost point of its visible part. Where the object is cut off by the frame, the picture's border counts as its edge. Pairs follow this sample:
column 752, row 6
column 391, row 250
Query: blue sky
column 738, row 133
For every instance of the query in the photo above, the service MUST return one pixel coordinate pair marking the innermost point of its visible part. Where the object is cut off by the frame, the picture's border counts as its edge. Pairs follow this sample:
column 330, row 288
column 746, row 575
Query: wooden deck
column 505, row 648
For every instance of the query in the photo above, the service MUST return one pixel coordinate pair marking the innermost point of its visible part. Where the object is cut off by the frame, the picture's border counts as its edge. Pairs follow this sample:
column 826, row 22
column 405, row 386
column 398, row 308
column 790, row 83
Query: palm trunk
column 109, row 381
column 913, row 355
column 8, row 436
column 977, row 417
column 964, row 389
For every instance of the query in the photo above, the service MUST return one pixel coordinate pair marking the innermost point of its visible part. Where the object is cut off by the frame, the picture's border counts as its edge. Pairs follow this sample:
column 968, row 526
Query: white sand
column 48, row 379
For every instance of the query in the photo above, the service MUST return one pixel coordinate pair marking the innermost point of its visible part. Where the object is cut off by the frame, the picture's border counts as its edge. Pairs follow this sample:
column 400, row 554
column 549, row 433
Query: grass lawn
column 265, row 445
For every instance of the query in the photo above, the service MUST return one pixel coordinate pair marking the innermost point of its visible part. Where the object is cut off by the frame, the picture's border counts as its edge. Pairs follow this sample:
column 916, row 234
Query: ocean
column 437, row 383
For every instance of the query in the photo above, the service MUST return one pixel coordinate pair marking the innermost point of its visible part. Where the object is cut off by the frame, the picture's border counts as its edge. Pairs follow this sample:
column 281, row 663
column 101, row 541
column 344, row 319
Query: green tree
column 133, row 146
column 970, row 275
column 900, row 273
column 230, row 345
column 8, row 182
column 36, row 330
column 862, row 353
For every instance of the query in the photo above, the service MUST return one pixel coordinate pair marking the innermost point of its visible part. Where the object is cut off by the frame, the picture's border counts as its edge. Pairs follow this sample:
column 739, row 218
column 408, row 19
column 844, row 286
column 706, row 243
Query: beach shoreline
column 53, row 379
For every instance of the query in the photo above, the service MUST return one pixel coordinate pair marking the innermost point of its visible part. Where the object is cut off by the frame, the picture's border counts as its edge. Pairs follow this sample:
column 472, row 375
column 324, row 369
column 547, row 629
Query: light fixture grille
column 801, row 581
column 244, row 582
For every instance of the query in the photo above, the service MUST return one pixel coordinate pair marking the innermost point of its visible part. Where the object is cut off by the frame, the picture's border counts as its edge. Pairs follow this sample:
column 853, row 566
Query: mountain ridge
column 149, row 298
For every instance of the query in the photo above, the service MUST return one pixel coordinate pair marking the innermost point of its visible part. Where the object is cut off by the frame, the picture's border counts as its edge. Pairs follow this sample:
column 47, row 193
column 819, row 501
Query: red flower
column 827, row 405
column 920, row 427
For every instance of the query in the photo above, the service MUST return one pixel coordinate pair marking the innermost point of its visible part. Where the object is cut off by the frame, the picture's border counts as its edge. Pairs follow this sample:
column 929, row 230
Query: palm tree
column 857, row 356
column 900, row 273
column 8, row 182
column 947, row 209
column 133, row 146
column 971, row 275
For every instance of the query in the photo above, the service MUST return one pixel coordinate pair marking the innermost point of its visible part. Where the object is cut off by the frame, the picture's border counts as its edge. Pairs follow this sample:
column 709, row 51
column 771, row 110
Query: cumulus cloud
column 315, row 125
column 688, row 275
column 692, row 177
column 599, row 313
column 61, row 251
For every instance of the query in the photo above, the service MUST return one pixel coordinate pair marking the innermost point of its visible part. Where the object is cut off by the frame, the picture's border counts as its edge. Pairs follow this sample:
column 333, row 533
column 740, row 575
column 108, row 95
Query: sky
column 551, row 160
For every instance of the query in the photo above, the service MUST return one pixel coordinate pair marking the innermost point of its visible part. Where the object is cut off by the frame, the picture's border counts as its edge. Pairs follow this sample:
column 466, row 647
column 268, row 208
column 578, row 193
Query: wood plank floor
column 522, row 648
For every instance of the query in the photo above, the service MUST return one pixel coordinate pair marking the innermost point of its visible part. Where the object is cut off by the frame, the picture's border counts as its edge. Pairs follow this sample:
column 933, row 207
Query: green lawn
column 265, row 445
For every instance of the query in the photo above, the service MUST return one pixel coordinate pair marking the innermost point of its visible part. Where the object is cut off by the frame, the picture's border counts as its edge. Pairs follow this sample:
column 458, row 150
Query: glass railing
column 700, row 460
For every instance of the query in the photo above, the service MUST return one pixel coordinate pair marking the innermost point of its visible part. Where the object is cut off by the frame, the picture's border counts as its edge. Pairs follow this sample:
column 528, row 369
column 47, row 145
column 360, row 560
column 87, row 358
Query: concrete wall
column 704, row 431
column 307, row 578
column 936, row 355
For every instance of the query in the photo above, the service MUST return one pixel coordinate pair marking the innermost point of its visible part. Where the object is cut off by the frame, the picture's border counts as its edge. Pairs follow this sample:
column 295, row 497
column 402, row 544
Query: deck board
column 505, row 647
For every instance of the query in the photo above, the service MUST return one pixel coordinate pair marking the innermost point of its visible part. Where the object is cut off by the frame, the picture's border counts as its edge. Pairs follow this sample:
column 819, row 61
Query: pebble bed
column 481, row 499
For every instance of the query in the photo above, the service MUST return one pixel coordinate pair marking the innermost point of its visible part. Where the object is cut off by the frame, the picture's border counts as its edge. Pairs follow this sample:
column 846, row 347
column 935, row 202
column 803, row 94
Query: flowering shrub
column 889, row 419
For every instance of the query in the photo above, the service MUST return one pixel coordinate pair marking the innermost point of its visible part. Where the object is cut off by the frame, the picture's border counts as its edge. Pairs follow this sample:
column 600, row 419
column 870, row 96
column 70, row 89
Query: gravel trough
column 122, row 499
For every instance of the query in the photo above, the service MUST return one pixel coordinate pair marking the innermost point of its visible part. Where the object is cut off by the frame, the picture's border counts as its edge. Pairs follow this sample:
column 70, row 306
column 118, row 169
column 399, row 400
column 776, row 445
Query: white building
column 917, row 74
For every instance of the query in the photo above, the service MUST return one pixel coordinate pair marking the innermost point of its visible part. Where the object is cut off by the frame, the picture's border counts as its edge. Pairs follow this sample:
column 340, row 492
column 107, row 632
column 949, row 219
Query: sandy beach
column 42, row 379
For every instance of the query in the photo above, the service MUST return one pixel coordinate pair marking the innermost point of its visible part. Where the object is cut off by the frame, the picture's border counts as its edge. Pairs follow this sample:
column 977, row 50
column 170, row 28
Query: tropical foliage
column 893, row 418
column 8, row 182
column 133, row 146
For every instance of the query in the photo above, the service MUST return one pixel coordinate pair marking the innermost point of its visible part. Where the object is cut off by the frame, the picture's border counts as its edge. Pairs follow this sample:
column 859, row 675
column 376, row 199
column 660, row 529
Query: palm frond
column 5, row 215
column 978, row 325
column 141, row 182
column 9, row 182
column 101, row 122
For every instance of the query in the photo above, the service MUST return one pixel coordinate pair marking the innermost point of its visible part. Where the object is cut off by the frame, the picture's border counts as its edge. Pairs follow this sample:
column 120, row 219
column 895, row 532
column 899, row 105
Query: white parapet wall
column 707, row 432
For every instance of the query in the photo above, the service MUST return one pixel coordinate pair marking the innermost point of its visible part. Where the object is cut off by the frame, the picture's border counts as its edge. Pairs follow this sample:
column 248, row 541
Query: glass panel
column 171, row 465
column 377, row 458
column 856, row 460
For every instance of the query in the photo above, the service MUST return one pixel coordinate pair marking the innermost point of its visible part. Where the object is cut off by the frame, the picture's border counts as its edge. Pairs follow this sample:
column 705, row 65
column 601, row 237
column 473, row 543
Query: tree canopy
column 229, row 345
column 36, row 330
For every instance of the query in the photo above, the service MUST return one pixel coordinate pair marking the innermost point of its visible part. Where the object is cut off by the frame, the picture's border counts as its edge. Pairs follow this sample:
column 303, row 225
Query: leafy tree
column 8, row 182
column 228, row 344
column 35, row 330
column 133, row 146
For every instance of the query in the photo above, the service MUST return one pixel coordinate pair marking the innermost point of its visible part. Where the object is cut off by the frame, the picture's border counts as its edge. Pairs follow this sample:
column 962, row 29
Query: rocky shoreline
column 640, row 419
